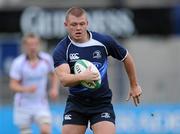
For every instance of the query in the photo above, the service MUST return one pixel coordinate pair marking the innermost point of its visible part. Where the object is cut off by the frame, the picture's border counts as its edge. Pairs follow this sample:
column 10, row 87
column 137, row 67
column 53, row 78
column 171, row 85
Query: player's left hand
column 135, row 93
column 53, row 93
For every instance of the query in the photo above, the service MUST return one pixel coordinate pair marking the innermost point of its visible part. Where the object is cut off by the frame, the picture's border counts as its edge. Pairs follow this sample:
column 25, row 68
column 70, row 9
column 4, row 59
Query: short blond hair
column 30, row 35
column 75, row 11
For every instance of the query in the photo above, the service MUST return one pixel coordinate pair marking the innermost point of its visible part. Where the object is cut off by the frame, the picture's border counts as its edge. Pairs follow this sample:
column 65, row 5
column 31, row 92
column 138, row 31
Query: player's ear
column 65, row 24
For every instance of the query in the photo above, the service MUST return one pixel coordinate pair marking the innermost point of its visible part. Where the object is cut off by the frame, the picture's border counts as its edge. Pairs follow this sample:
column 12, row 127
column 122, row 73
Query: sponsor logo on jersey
column 67, row 117
column 105, row 115
column 97, row 54
column 73, row 56
column 97, row 64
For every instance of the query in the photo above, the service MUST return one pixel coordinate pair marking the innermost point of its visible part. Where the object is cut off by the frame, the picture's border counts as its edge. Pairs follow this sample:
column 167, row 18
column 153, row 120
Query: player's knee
column 44, row 124
column 45, row 132
column 26, row 131
column 45, row 129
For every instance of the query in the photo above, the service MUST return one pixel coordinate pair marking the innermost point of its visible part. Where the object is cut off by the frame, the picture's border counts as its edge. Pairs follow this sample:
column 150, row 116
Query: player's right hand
column 89, row 75
column 30, row 89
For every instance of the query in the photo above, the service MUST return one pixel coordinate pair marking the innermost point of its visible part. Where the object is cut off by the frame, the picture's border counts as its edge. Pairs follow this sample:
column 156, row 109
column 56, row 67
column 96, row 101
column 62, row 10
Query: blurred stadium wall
column 149, row 30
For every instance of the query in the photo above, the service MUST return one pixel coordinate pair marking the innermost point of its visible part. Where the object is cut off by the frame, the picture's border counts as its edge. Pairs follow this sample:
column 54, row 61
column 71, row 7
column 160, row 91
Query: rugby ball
column 80, row 66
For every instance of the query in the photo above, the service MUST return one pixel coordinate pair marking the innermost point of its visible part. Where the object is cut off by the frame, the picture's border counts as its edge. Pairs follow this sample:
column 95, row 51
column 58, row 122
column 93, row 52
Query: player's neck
column 32, row 57
column 87, row 38
column 33, row 60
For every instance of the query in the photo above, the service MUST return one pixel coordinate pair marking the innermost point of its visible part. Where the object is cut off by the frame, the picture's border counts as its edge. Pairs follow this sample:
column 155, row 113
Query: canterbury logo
column 67, row 117
column 105, row 115
column 74, row 56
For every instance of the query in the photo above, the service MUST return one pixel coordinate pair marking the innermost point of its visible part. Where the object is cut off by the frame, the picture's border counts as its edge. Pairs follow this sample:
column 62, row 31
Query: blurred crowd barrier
column 145, row 119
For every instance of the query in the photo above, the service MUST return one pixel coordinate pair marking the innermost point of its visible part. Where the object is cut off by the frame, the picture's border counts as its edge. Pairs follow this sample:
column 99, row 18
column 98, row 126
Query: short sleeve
column 51, row 68
column 15, row 70
column 59, row 55
column 48, row 59
column 115, row 49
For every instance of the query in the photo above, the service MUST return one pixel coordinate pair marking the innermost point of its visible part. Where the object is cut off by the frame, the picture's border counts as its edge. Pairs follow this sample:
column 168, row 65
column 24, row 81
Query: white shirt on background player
column 28, row 75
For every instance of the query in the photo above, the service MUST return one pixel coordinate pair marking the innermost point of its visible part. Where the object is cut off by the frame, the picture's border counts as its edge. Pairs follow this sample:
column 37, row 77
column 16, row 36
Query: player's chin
column 78, row 38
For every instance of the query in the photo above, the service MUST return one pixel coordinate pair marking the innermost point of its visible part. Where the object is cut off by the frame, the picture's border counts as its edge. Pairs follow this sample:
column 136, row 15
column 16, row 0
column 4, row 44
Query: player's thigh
column 102, row 121
column 22, row 118
column 74, row 123
column 103, row 127
column 73, row 129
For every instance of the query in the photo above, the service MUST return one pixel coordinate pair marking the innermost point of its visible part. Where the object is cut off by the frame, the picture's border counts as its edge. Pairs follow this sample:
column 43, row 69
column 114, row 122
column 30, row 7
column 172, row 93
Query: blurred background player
column 84, row 105
column 28, row 78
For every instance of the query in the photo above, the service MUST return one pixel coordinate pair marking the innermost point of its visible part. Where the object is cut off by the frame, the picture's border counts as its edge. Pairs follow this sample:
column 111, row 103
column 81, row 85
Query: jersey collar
column 81, row 44
column 27, row 58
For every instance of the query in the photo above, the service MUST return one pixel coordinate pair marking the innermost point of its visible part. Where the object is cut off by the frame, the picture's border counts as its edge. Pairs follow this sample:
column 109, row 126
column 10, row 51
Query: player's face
column 31, row 46
column 77, row 27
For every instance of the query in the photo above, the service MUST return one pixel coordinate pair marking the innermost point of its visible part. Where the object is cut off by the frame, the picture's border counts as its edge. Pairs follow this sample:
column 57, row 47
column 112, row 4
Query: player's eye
column 73, row 24
column 82, row 24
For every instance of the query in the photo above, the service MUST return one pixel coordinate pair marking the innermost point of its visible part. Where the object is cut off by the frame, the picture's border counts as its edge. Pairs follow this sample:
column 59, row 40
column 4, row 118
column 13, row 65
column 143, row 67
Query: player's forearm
column 131, row 71
column 69, row 80
column 17, row 87
column 54, row 82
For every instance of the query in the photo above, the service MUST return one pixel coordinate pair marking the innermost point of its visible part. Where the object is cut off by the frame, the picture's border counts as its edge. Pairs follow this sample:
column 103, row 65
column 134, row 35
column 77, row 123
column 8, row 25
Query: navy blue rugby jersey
column 96, row 50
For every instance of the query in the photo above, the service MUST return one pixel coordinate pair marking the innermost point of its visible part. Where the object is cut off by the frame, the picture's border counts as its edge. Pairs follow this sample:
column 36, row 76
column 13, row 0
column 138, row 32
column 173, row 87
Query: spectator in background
column 29, row 75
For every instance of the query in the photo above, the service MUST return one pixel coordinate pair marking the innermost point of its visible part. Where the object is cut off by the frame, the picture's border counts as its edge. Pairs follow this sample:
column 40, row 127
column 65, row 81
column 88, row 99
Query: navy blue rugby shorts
column 81, row 111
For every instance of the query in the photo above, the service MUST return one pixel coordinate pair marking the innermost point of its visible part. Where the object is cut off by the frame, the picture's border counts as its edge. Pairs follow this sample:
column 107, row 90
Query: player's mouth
column 78, row 33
